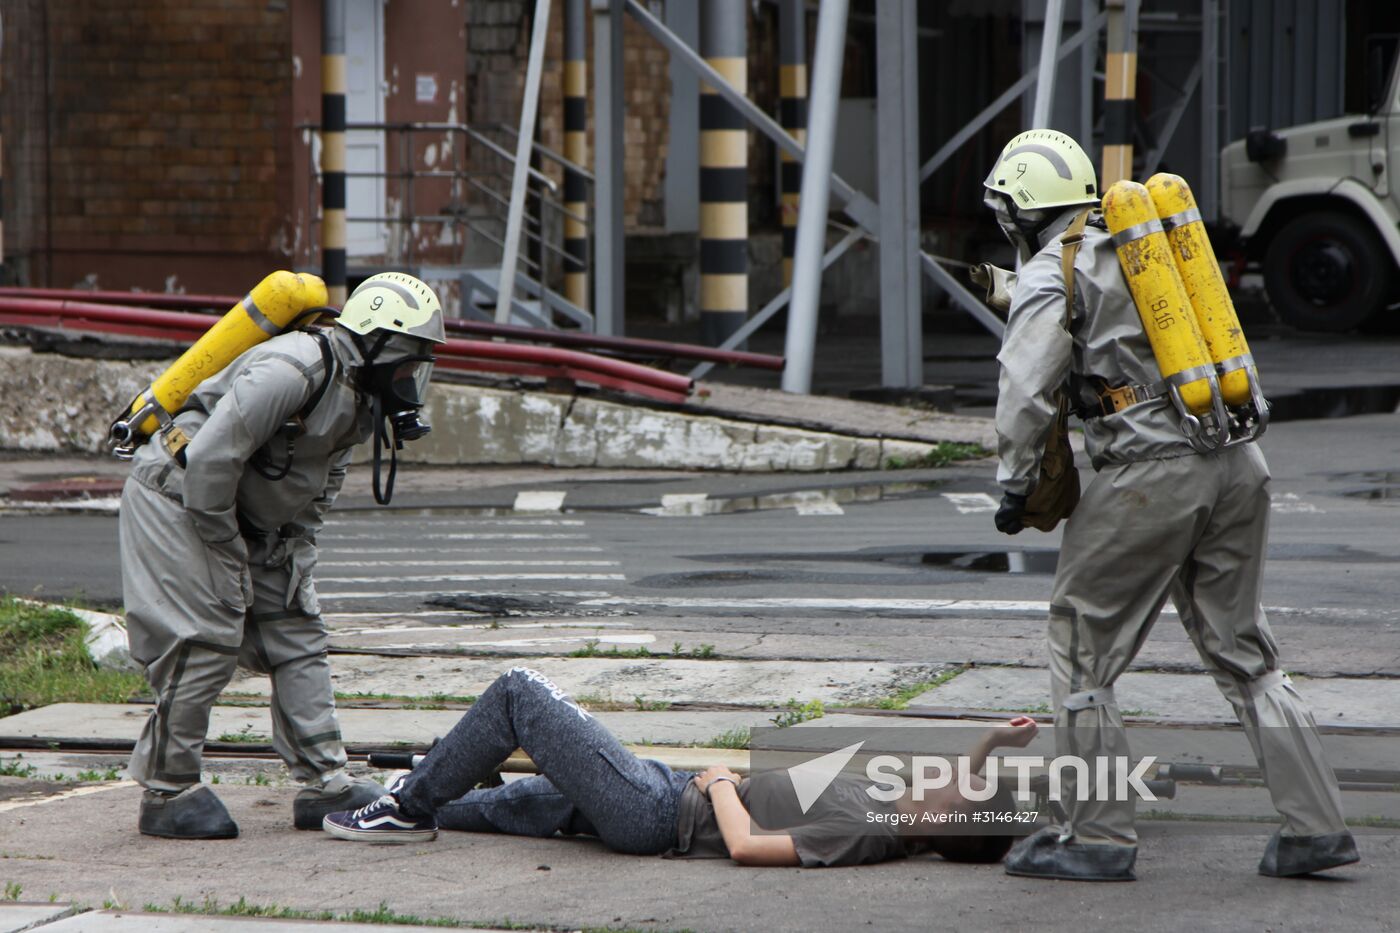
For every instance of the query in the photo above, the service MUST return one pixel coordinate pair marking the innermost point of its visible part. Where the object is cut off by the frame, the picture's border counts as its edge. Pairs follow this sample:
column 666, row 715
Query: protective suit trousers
column 189, row 627
column 1195, row 529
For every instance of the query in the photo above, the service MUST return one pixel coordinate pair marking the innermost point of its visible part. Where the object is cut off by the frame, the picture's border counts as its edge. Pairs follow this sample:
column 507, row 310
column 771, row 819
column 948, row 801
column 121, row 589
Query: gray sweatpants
column 1194, row 529
column 588, row 783
column 190, row 630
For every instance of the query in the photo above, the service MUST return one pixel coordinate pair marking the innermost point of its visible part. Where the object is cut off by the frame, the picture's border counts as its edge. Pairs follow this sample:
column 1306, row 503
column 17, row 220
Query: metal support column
column 816, row 190
column 576, row 151
column 333, row 149
column 609, row 182
column 1208, row 186
column 724, row 175
column 1120, row 92
column 1048, row 65
column 901, row 304
column 792, row 114
column 1088, row 58
column 524, row 149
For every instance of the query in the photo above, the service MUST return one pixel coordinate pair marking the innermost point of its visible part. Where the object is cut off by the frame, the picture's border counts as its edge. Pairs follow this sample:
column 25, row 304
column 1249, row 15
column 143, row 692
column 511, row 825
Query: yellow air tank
column 1160, row 296
column 1195, row 261
column 276, row 302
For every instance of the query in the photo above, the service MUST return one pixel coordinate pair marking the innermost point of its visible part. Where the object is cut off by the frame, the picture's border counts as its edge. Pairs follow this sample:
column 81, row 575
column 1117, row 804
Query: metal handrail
column 545, row 151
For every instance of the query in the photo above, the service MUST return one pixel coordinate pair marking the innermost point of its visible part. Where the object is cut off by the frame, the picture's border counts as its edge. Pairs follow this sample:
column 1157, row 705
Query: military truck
column 1316, row 207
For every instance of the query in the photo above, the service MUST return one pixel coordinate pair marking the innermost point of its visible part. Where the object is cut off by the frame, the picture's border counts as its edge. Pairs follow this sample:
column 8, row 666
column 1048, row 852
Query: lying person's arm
column 736, row 826
column 1016, row 734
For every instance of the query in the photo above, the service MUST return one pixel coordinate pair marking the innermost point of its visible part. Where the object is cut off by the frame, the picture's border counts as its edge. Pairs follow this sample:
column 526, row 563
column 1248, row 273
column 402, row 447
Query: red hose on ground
column 454, row 354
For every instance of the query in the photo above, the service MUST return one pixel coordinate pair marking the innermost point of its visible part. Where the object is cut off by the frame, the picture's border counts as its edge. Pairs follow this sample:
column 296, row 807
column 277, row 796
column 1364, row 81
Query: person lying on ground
column 589, row 784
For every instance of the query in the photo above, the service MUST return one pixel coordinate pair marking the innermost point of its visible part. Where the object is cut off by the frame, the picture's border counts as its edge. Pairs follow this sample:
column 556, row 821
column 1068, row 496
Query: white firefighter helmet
column 394, row 301
column 1043, row 169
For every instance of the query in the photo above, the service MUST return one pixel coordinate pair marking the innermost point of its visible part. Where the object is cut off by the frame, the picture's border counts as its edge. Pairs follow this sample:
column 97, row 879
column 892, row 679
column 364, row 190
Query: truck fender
column 1378, row 211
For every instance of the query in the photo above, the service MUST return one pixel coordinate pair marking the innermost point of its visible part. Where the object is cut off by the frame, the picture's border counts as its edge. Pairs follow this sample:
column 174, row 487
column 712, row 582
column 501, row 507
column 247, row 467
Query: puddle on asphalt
column 1375, row 485
column 994, row 561
column 805, row 501
column 1340, row 402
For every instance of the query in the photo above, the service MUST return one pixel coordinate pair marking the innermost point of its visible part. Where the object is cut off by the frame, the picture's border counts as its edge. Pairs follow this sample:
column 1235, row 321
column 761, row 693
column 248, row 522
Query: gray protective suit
column 1158, row 520
column 217, row 559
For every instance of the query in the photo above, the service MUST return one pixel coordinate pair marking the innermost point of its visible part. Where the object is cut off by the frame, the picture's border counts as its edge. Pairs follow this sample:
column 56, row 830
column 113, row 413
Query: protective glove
column 298, row 556
column 1013, row 507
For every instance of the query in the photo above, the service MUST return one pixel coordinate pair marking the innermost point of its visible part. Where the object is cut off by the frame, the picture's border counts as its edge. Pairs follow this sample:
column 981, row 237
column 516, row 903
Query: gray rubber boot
column 195, row 813
column 312, row 804
column 1044, row 856
column 1291, row 856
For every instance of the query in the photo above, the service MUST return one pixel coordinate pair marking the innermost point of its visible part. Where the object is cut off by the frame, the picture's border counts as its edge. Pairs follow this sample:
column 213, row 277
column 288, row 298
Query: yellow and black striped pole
column 792, row 114
column 576, row 151
column 333, row 149
column 724, row 175
column 1120, row 92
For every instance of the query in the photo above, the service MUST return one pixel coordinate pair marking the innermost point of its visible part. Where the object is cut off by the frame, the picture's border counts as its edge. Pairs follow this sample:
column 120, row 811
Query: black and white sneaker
column 380, row 822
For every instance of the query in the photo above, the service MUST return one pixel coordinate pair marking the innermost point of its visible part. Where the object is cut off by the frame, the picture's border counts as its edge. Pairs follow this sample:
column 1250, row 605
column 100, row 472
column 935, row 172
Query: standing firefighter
column 218, row 537
column 1161, row 518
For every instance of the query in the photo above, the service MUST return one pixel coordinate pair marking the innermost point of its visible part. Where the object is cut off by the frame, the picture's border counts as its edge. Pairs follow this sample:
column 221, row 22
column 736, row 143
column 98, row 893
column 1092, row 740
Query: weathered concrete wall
column 56, row 403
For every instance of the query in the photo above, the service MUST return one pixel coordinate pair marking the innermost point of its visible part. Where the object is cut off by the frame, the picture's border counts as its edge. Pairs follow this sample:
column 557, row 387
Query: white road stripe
column 514, row 594
column 1291, row 502
column 967, row 502
column 476, row 536
column 683, row 504
column 807, row 602
column 467, row 563
column 468, row 627
column 821, row 505
column 331, row 548
column 464, row 520
column 539, row 501
column 64, row 795
column 473, row 578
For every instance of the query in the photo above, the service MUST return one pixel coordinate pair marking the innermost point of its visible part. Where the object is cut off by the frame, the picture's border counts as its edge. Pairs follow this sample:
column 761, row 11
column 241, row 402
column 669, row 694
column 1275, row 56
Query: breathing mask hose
column 382, row 440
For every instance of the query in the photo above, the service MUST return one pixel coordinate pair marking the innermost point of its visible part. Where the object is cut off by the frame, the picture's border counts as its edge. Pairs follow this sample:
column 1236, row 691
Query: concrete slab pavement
column 15, row 918
column 1339, row 701
column 123, row 921
column 87, row 850
column 121, row 722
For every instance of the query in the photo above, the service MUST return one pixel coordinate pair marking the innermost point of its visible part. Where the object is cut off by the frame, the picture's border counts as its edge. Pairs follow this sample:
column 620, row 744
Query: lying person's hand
column 1018, row 732
column 714, row 773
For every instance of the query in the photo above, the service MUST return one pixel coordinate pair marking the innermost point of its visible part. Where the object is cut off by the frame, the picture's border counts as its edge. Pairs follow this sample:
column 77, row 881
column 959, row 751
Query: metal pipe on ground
column 78, row 298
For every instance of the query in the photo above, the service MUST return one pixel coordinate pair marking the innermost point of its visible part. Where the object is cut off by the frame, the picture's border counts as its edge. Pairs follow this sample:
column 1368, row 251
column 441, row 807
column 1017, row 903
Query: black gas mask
column 397, row 387
column 1022, row 227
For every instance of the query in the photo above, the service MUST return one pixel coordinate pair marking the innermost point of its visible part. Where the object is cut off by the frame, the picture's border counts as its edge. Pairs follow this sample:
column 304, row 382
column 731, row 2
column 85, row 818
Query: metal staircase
column 472, row 192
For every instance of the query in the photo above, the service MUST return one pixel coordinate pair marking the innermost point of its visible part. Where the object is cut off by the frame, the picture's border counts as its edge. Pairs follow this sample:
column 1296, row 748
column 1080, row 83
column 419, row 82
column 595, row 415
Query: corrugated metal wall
column 1286, row 62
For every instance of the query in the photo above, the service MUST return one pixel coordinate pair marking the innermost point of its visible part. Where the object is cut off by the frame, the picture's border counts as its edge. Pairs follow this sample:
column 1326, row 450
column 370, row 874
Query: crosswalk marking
column 468, row 563
column 968, row 502
column 683, row 504
column 474, row 577
column 474, row 536
column 424, row 522
column 539, row 501
column 330, row 547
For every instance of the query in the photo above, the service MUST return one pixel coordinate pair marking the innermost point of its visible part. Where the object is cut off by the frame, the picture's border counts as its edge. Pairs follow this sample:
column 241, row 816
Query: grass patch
column 732, row 738
column 799, row 712
column 942, row 454
column 431, row 701
column 246, row 734
column 900, row 698
column 703, row 652
column 650, row 706
column 591, row 650
column 43, row 660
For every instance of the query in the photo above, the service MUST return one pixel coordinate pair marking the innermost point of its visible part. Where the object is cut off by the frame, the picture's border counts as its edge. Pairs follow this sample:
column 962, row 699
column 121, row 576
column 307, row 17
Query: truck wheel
column 1327, row 271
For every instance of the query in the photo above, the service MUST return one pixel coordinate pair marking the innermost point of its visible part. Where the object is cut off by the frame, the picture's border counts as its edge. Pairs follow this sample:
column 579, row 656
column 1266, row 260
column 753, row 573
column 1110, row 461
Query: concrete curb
column 61, row 404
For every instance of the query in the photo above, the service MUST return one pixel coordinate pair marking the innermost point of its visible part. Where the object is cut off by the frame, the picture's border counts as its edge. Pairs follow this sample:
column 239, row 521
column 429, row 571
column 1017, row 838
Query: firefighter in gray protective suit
column 1159, row 520
column 218, row 540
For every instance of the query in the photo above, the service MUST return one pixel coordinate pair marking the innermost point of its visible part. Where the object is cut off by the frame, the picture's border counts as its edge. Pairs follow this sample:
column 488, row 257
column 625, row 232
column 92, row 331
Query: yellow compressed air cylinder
column 1196, row 263
column 263, row 313
column 1158, row 292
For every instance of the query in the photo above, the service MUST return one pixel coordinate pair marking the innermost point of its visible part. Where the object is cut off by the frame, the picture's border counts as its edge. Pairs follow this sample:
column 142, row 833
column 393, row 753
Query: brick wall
column 167, row 140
